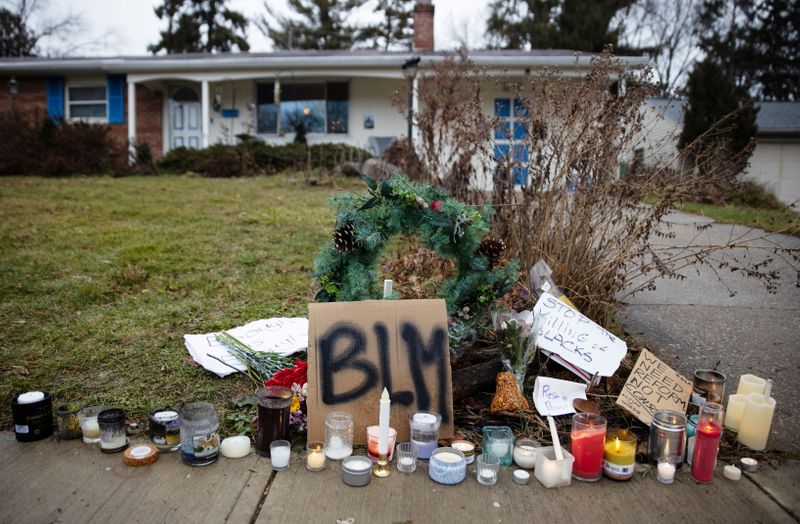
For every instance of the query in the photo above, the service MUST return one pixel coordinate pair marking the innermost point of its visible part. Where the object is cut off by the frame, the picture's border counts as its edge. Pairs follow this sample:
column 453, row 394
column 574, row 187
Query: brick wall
column 423, row 26
column 32, row 99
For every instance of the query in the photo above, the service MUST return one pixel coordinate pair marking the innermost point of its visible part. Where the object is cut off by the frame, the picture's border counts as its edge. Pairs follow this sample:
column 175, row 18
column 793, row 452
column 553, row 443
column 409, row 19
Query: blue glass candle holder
column 499, row 441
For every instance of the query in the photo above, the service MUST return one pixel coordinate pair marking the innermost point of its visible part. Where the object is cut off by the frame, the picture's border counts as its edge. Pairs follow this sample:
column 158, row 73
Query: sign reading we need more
column 355, row 349
column 576, row 339
column 653, row 385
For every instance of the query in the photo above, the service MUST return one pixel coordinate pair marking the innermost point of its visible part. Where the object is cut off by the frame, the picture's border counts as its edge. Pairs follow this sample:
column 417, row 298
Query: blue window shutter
column 116, row 99
column 55, row 98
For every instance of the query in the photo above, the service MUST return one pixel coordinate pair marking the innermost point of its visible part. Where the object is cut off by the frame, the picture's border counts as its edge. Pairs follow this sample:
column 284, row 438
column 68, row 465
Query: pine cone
column 493, row 249
column 344, row 238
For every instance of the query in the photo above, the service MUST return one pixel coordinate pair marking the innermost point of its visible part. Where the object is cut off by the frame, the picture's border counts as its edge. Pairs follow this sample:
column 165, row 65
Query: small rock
column 379, row 169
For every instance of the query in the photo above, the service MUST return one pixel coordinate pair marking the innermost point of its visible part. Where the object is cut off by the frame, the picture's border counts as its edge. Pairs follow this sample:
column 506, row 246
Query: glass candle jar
column 667, row 437
column 525, row 453
column 665, row 470
column 706, row 445
column 587, row 445
column 407, row 457
column 499, row 441
column 708, row 385
column 488, row 469
column 199, row 434
column 165, row 429
column 315, row 455
column 273, row 417
column 69, row 427
column 279, row 452
column 113, row 435
column 620, row 454
column 372, row 443
column 338, row 435
column 425, row 432
column 87, row 417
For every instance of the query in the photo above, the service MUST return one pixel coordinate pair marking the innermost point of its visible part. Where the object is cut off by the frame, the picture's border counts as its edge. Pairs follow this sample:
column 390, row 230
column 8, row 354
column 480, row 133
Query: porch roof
column 323, row 60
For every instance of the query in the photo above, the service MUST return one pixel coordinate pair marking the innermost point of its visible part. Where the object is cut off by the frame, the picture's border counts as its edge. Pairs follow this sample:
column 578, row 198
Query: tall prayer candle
column 709, row 431
column 587, row 443
column 383, row 423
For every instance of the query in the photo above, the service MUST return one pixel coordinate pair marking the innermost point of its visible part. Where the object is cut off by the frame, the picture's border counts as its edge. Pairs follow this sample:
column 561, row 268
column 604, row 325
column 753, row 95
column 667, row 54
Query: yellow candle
column 751, row 384
column 756, row 421
column 620, row 454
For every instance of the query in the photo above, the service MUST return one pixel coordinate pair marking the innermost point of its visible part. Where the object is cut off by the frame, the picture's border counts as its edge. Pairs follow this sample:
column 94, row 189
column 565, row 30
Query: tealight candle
column 750, row 465
column 525, row 453
column 521, row 477
column 732, row 473
column 315, row 456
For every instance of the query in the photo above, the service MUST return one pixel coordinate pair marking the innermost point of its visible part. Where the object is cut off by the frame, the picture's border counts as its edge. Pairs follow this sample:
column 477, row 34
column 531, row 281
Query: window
column 87, row 102
column 320, row 107
column 511, row 129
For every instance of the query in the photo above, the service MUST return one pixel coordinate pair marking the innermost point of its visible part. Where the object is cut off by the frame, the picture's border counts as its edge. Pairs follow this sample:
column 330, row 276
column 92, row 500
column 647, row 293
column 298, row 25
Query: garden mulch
column 68, row 481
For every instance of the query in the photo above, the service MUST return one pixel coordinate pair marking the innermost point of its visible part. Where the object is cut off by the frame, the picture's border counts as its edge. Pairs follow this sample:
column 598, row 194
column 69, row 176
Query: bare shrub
column 571, row 208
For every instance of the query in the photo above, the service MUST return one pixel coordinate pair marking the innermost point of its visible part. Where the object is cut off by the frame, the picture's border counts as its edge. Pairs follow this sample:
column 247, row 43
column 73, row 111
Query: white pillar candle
column 30, row 397
column 756, row 421
column 666, row 472
column 733, row 415
column 280, row 457
column 750, row 384
column 235, row 447
column 383, row 423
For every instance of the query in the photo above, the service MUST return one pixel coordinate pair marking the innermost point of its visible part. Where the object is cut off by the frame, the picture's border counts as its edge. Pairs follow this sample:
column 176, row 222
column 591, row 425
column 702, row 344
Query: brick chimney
column 423, row 26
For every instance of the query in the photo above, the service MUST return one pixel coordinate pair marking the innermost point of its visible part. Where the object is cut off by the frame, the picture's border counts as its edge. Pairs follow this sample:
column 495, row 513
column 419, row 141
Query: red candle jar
column 587, row 445
column 706, row 445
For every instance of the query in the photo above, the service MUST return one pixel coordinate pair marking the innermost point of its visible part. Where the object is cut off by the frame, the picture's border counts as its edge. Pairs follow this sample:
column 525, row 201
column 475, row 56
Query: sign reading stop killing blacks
column 355, row 349
column 652, row 385
column 576, row 339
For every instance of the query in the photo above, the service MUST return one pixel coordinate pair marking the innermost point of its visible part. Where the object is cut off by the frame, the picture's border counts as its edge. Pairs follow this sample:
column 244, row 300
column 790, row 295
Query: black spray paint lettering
column 354, row 340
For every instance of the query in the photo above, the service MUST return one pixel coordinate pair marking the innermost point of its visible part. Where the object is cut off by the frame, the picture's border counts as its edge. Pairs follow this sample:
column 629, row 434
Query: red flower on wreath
column 294, row 375
column 436, row 206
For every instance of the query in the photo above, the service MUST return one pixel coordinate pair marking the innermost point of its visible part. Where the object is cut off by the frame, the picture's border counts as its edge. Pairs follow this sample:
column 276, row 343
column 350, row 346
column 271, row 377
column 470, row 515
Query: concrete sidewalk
column 69, row 481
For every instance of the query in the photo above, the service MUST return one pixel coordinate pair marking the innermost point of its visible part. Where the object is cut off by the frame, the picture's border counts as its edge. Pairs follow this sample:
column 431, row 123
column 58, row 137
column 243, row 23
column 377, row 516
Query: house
column 775, row 162
column 195, row 100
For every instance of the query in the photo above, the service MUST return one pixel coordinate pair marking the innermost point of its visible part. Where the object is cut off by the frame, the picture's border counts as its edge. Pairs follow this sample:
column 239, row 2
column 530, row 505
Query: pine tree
column 565, row 24
column 323, row 25
column 195, row 26
column 394, row 31
column 713, row 96
column 15, row 37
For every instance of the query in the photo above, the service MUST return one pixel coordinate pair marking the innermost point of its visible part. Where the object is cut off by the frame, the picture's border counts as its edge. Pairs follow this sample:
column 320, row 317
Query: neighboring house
column 195, row 100
column 776, row 159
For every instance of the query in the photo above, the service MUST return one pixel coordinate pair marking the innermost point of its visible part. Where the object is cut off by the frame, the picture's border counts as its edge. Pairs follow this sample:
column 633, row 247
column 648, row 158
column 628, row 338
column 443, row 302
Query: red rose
column 294, row 375
column 436, row 205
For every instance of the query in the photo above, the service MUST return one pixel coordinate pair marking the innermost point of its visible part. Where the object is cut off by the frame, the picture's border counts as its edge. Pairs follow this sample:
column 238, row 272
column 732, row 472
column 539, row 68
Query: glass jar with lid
column 338, row 435
column 199, row 434
column 667, row 437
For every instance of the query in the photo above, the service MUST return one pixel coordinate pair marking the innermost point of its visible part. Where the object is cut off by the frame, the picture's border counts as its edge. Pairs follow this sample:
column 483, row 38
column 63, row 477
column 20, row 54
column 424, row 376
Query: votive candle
column 315, row 456
column 620, row 454
column 709, row 432
column 587, row 445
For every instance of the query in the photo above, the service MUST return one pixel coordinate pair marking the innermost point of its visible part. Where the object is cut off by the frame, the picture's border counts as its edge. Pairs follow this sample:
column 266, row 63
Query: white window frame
column 68, row 103
column 281, row 132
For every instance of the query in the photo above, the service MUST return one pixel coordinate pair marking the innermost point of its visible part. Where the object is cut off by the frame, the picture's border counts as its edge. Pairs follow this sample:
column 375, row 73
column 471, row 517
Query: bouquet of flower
column 295, row 378
column 516, row 336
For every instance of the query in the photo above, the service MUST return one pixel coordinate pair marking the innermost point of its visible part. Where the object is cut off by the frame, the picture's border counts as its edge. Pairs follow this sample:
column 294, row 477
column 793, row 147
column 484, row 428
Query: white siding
column 776, row 164
column 658, row 138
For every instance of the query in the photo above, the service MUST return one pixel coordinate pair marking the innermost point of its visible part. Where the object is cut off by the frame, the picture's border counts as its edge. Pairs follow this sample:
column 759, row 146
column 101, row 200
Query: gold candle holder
column 381, row 468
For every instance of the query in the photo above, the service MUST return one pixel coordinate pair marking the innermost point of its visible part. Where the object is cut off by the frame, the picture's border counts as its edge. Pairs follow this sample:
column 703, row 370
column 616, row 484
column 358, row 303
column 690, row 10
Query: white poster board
column 576, row 339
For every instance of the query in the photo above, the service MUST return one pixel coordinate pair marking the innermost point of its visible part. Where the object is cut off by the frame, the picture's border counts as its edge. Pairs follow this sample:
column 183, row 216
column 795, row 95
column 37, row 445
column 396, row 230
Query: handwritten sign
column 554, row 397
column 576, row 339
column 652, row 385
column 358, row 348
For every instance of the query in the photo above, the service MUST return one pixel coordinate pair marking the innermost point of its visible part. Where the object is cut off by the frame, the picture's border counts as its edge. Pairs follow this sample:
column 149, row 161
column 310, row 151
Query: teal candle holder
column 499, row 441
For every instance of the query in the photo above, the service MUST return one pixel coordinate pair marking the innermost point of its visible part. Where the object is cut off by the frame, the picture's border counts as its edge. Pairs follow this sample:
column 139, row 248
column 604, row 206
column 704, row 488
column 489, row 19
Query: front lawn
column 777, row 220
column 102, row 277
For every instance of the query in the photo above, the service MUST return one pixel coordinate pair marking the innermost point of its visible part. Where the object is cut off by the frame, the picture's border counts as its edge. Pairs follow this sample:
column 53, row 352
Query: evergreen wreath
column 346, row 267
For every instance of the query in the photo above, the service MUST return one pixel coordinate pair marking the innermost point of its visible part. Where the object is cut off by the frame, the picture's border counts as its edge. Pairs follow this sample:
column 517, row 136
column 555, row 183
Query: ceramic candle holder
column 447, row 466
column 550, row 471
column 499, row 441
column 356, row 470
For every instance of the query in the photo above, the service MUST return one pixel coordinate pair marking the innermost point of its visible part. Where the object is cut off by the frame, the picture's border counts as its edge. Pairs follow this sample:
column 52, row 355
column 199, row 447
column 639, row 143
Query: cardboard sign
column 576, row 339
column 554, row 397
column 355, row 349
column 652, row 385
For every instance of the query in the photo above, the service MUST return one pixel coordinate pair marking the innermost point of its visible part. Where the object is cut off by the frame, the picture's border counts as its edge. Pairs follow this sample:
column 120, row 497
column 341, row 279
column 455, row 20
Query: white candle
column 732, row 473
column 733, row 415
column 406, row 461
column 525, row 456
column 446, row 456
column 114, row 442
column 750, row 384
column 30, row 397
column 235, row 447
column 315, row 460
column 499, row 449
column 666, row 472
column 280, row 456
column 383, row 423
column 337, row 449
column 359, row 464
column 387, row 288
column 756, row 421
column 90, row 428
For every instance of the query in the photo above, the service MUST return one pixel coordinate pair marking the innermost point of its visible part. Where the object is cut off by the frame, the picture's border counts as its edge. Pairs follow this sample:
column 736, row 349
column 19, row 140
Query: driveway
column 695, row 322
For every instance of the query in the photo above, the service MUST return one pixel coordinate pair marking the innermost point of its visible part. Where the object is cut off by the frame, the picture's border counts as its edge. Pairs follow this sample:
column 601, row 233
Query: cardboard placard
column 576, row 339
column 653, row 385
column 355, row 349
